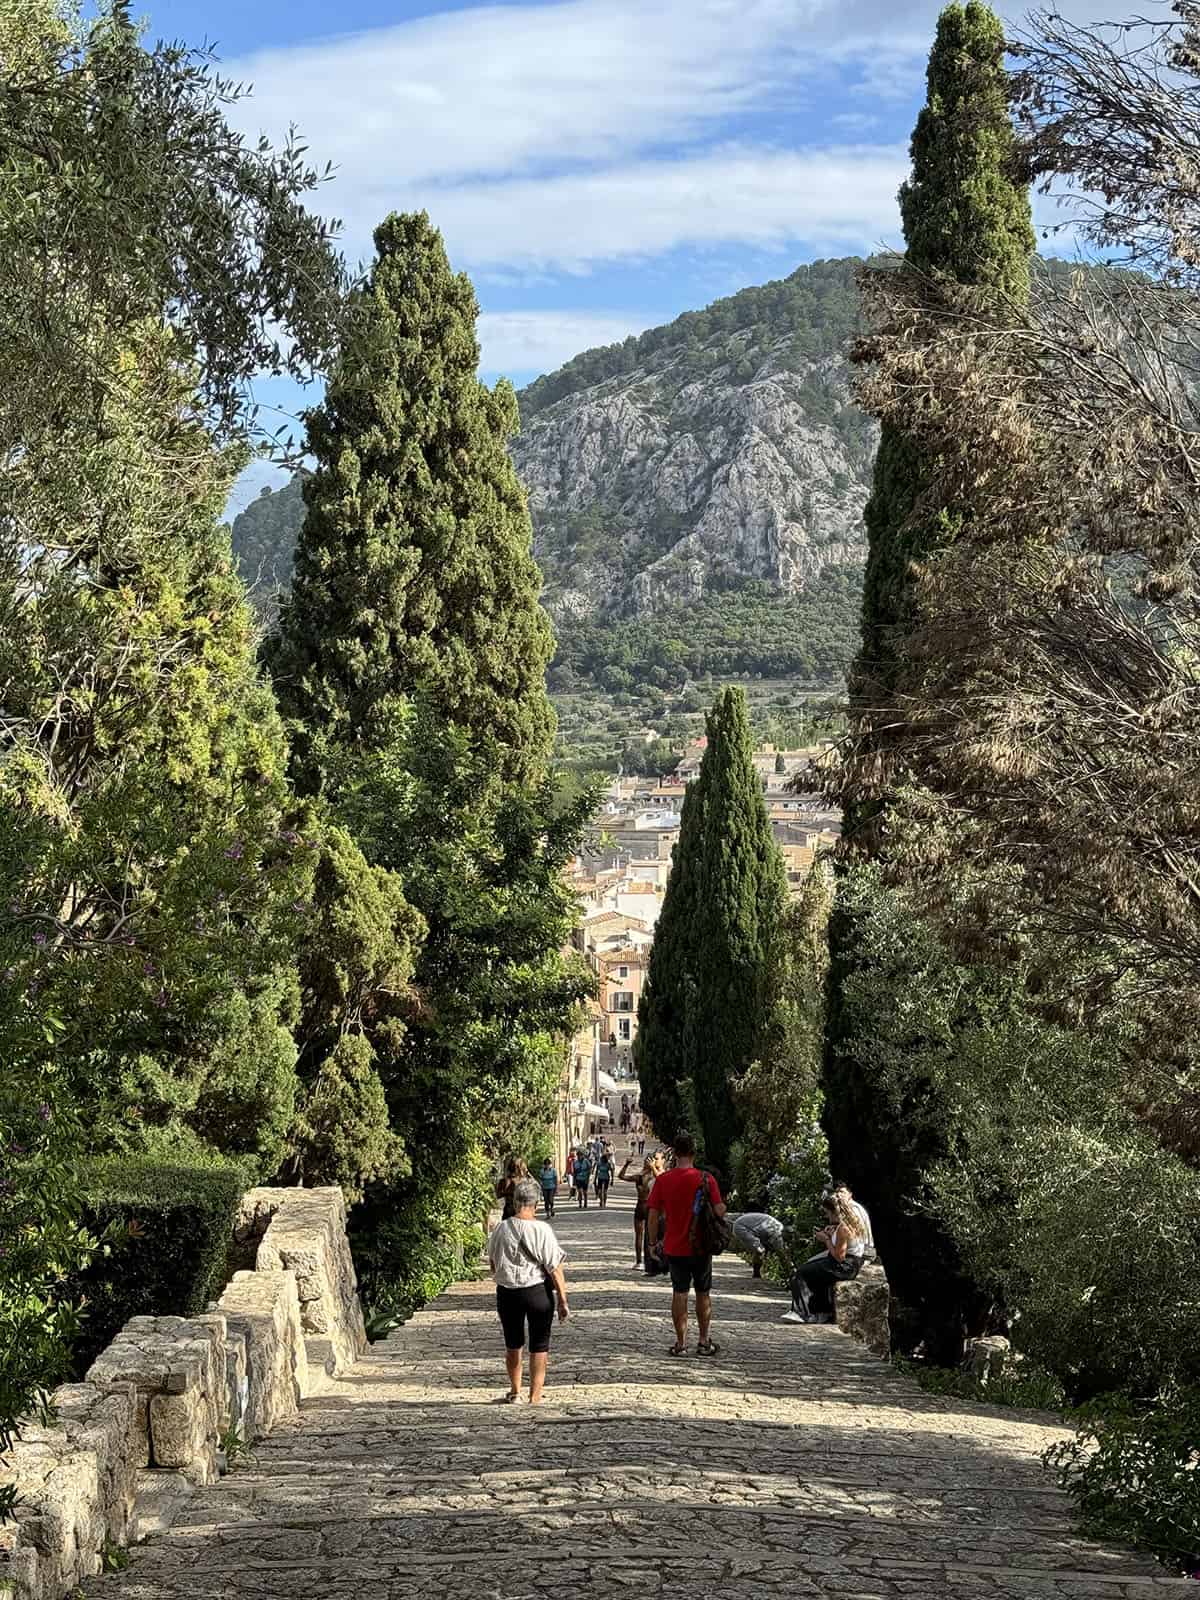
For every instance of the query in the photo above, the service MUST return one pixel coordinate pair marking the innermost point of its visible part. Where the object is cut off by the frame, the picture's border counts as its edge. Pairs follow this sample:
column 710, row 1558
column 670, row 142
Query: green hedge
column 175, row 1226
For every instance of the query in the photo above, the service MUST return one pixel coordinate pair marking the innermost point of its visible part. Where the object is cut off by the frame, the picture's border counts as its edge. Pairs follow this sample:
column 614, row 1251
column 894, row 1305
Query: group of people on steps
column 674, row 1196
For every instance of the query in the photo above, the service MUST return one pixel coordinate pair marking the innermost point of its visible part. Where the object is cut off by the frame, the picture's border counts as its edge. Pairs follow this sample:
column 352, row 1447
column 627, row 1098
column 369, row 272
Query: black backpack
column 708, row 1234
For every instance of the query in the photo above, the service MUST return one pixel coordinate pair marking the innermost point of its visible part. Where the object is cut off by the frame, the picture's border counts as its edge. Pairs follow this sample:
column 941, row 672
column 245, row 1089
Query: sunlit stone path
column 793, row 1464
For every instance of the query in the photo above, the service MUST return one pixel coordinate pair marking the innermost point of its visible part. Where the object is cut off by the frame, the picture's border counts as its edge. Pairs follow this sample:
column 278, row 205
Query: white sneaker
column 793, row 1316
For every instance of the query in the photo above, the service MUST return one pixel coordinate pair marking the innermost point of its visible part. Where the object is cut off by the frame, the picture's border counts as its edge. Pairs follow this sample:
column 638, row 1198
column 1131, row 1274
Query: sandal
column 709, row 1348
column 677, row 1350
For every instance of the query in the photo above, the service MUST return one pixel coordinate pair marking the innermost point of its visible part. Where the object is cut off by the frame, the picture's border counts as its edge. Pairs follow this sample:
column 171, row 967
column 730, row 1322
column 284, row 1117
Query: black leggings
column 813, row 1282
column 515, row 1305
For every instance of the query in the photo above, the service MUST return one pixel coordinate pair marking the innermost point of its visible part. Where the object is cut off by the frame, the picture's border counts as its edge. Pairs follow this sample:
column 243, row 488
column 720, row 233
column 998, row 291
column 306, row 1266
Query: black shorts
column 535, row 1304
column 691, row 1272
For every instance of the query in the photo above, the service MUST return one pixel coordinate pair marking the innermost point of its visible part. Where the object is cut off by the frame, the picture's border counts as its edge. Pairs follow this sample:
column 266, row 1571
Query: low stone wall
column 304, row 1231
column 862, row 1305
column 147, row 1425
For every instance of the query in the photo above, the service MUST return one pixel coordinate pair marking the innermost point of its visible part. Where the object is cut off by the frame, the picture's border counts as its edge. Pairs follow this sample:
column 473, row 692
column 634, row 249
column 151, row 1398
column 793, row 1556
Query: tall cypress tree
column 411, row 660
column 966, row 214
column 414, row 572
column 662, row 1009
column 710, row 1005
column 733, row 1015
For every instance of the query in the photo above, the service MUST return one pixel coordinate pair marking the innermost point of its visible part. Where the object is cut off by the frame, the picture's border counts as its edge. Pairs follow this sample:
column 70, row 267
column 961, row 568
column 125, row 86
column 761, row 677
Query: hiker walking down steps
column 527, row 1263
column 691, row 1202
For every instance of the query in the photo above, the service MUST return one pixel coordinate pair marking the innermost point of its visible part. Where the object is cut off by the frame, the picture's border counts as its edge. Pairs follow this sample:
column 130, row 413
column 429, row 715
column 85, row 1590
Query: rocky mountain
column 698, row 468
column 720, row 449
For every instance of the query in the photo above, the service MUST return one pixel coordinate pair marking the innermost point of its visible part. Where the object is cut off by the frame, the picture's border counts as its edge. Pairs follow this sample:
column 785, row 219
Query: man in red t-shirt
column 674, row 1197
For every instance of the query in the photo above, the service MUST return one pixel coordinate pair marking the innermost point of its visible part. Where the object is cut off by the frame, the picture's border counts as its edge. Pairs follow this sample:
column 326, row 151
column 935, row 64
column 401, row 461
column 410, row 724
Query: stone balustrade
column 149, row 1424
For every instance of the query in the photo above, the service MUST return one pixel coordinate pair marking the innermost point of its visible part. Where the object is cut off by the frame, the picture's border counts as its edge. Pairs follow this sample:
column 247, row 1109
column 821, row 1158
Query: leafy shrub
column 1026, row 1385
column 177, row 1222
column 1134, row 1472
column 41, row 1241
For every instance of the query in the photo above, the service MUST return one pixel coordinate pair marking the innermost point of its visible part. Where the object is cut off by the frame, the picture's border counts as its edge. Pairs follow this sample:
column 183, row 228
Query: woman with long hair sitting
column 841, row 1259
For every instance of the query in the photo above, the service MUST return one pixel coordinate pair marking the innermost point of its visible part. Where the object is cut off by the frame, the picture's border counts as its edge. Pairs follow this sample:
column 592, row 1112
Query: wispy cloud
column 538, row 341
column 838, row 197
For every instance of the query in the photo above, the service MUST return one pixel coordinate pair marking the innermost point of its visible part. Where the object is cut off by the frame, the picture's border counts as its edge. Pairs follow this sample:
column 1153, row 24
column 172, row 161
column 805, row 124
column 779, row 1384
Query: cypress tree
column 414, row 572
column 732, row 1015
column 966, row 214
column 662, row 1008
column 411, row 660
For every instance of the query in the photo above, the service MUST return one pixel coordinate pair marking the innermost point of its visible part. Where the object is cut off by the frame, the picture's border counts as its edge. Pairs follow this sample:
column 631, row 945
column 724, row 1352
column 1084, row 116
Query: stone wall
column 862, row 1305
column 150, row 1422
column 304, row 1231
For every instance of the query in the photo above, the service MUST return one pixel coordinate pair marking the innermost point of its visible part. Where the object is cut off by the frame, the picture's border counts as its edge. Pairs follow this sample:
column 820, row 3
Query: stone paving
column 795, row 1464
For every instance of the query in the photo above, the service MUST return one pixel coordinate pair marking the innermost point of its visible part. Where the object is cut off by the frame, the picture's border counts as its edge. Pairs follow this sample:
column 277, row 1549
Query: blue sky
column 597, row 166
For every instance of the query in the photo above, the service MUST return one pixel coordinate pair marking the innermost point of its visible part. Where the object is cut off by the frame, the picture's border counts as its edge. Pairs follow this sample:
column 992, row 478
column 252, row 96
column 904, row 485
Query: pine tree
column 733, row 1007
column 414, row 573
column 662, row 1008
column 966, row 214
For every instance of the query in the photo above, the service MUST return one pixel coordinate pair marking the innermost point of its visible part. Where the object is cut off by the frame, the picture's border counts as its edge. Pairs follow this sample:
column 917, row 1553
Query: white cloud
column 540, row 341
column 548, row 138
column 498, row 89
column 842, row 197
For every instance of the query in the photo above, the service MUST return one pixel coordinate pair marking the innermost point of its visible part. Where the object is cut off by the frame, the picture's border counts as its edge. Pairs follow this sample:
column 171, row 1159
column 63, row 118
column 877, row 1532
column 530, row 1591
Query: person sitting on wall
column 840, row 1260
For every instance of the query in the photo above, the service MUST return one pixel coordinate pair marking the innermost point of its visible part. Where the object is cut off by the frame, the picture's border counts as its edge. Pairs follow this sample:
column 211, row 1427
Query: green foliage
column 749, row 628
column 410, row 660
column 778, row 1099
column 662, row 1008
column 176, row 1226
column 1131, row 1470
column 734, row 1014
column 125, row 189
column 42, row 1243
column 148, row 876
column 712, row 1003
column 966, row 213
column 414, row 502
column 1023, row 1384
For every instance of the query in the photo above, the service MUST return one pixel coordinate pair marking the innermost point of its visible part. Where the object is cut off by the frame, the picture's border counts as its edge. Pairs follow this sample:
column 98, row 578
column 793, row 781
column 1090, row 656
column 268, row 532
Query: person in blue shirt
column 549, row 1183
column 583, row 1176
column 604, row 1176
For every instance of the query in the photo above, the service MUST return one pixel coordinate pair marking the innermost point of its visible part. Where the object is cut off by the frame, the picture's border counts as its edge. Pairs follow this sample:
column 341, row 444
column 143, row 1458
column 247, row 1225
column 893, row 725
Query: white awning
column 591, row 1109
column 608, row 1083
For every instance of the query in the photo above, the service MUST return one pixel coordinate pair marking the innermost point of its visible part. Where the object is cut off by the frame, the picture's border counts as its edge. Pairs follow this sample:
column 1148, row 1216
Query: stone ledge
column 861, row 1306
column 304, row 1231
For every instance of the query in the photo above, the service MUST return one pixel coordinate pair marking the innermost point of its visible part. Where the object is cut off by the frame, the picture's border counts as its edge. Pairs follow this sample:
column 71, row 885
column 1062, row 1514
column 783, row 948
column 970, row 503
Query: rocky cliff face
column 723, row 454
column 719, row 449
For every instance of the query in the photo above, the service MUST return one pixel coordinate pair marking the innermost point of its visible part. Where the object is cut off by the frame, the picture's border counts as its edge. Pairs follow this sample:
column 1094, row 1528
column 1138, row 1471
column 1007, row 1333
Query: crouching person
column 760, row 1234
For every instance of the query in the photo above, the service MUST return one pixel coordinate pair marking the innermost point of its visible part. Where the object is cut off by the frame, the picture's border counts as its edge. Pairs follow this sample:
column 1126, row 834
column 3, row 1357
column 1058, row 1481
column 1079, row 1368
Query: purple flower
column 290, row 836
column 148, row 968
column 44, row 1112
column 39, row 938
column 160, row 999
column 299, row 905
column 235, row 851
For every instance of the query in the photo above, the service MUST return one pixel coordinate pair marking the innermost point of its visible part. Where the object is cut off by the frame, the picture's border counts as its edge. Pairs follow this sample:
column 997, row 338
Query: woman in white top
column 842, row 1258
column 527, row 1263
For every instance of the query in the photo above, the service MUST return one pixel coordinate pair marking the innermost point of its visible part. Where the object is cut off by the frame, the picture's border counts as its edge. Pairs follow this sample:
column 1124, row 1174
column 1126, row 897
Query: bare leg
column 679, row 1317
column 704, row 1314
column 512, row 1361
column 537, row 1376
column 639, row 1231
